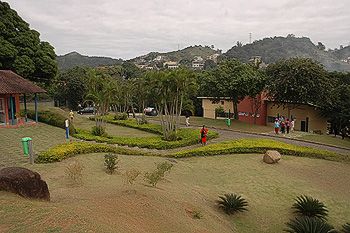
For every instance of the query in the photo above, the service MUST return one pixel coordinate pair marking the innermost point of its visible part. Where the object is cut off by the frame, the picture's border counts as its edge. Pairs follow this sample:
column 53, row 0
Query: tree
column 168, row 91
column 320, row 46
column 231, row 79
column 239, row 44
column 21, row 49
column 69, row 87
column 209, row 64
column 297, row 81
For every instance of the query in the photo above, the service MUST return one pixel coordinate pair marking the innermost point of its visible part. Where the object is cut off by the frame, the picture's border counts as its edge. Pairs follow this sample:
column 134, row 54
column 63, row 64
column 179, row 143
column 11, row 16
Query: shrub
column 131, row 175
column 310, row 207
column 142, row 120
column 63, row 151
column 232, row 203
column 120, row 116
column 74, row 173
column 98, row 131
column 345, row 228
column 111, row 161
column 308, row 225
column 52, row 118
column 196, row 214
column 244, row 146
column 154, row 177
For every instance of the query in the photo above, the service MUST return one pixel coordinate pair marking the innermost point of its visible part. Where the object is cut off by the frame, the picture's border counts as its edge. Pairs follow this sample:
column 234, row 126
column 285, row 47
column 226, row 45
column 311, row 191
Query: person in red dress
column 204, row 132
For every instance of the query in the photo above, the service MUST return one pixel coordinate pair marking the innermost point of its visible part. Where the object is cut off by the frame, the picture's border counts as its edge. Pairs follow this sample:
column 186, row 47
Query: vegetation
column 21, row 49
column 98, row 131
column 308, row 225
column 244, row 146
column 158, row 174
column 276, row 48
column 310, row 207
column 234, row 80
column 232, row 203
column 73, row 59
column 111, row 161
column 63, row 151
column 74, row 173
column 346, row 228
column 131, row 175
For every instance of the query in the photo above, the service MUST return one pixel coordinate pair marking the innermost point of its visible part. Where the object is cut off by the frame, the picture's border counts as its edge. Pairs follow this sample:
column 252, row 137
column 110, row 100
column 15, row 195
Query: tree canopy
column 21, row 49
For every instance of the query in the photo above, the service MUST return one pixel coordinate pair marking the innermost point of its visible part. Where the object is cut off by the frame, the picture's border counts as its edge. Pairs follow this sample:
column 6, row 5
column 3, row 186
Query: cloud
column 129, row 28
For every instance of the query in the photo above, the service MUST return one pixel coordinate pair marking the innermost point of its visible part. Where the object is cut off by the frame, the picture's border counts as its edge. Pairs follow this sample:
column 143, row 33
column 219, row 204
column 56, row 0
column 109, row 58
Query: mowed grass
column 104, row 203
column 44, row 136
column 327, row 139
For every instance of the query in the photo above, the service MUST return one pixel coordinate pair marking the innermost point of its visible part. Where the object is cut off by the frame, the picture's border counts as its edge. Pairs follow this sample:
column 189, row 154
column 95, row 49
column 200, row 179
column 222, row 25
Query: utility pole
column 250, row 37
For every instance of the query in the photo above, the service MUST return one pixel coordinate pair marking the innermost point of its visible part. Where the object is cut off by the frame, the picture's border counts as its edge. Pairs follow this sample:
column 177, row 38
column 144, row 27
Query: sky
column 130, row 28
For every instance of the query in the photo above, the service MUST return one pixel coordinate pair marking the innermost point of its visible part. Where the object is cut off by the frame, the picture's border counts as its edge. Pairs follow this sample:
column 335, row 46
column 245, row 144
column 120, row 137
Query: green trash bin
column 25, row 145
column 228, row 122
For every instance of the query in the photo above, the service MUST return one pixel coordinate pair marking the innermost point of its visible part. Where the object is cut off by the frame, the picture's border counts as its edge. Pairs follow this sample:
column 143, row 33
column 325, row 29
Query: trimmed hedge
column 187, row 137
column 132, row 123
column 51, row 118
column 63, row 151
column 244, row 146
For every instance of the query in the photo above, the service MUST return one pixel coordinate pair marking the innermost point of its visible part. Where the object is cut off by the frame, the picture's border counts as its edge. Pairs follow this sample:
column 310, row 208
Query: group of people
column 284, row 125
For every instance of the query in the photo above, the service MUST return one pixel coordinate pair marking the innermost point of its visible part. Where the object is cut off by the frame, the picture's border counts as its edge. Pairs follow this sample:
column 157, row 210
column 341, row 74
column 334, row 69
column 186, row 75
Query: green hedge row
column 132, row 123
column 260, row 146
column 51, row 118
column 63, row 151
column 187, row 137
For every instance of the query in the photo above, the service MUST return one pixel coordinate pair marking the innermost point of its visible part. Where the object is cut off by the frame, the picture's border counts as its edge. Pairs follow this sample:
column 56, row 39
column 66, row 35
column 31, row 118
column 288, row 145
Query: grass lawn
column 327, row 139
column 104, row 203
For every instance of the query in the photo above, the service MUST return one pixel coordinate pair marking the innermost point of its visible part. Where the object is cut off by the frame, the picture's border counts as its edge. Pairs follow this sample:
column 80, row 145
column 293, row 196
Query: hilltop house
column 171, row 65
column 12, row 86
column 264, row 111
column 198, row 63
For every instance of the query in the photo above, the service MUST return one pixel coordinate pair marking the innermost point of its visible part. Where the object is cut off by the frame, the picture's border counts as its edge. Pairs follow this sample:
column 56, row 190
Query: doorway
column 305, row 125
column 2, row 111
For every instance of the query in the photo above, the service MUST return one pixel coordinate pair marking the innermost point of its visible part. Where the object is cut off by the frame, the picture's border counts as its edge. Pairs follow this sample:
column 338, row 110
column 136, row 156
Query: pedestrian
column 277, row 126
column 343, row 132
column 287, row 125
column 187, row 118
column 71, row 115
column 292, row 123
column 204, row 132
column 283, row 127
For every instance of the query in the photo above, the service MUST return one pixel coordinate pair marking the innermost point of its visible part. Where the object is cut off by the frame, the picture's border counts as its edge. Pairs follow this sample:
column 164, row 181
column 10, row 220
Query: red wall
column 246, row 112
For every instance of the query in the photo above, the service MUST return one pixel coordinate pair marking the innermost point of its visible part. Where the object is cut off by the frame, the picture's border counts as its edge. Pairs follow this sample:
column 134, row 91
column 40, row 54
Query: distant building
column 307, row 117
column 159, row 58
column 214, row 57
column 171, row 65
column 198, row 63
column 257, row 61
column 346, row 60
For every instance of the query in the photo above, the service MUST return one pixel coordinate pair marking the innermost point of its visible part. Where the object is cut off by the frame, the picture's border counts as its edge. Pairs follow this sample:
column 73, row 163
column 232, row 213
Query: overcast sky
column 129, row 28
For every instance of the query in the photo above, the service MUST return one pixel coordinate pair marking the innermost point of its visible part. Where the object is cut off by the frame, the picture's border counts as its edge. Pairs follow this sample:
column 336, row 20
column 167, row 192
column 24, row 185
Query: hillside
column 73, row 59
column 343, row 53
column 276, row 48
column 186, row 54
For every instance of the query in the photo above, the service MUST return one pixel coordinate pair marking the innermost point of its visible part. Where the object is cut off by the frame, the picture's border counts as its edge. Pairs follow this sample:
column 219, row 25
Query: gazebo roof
column 12, row 83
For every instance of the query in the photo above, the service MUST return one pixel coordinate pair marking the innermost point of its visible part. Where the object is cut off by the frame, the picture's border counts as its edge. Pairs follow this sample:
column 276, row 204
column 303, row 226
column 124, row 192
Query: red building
column 12, row 87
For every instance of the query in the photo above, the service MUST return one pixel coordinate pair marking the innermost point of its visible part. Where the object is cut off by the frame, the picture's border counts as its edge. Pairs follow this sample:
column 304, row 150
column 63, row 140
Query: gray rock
column 271, row 156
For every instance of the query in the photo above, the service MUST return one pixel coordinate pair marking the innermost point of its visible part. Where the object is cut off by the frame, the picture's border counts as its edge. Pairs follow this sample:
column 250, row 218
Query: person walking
column 343, row 132
column 287, row 125
column 204, row 132
column 283, row 127
column 277, row 126
column 292, row 123
column 187, row 118
column 71, row 115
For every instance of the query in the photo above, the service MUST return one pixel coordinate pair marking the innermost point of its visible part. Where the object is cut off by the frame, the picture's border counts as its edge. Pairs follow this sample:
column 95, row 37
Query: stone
column 272, row 156
column 23, row 182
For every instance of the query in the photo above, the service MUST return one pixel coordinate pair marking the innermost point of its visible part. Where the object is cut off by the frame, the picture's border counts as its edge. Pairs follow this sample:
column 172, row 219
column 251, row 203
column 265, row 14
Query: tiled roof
column 12, row 83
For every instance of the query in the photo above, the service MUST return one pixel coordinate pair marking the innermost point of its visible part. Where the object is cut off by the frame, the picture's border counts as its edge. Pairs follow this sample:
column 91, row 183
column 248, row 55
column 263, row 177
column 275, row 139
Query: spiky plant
column 346, row 228
column 306, row 224
column 232, row 203
column 310, row 207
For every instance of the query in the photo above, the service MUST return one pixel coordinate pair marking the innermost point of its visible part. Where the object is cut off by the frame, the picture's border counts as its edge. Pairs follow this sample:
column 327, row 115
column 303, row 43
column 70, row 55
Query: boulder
column 24, row 182
column 271, row 156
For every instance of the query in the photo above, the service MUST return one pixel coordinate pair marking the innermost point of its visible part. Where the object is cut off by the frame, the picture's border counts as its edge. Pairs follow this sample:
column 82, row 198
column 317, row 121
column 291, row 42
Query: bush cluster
column 155, row 176
column 63, row 151
column 232, row 203
column 98, row 131
column 51, row 118
column 111, row 161
column 186, row 137
column 244, row 146
column 120, row 116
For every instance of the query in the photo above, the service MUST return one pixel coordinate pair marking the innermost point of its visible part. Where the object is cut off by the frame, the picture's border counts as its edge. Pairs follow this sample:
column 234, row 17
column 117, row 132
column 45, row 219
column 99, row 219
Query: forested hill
column 73, row 59
column 187, row 54
column 276, row 48
column 343, row 53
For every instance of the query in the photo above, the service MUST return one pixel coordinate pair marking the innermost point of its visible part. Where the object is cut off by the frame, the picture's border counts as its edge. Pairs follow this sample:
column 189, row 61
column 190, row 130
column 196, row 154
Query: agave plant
column 232, row 203
column 306, row 224
column 310, row 207
column 346, row 228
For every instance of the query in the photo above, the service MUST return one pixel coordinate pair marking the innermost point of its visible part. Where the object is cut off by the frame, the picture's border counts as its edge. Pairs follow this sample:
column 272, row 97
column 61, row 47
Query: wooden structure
column 12, row 86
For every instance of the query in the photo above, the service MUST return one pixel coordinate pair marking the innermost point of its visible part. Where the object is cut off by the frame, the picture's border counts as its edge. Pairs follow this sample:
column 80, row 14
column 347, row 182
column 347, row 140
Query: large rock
column 271, row 156
column 23, row 182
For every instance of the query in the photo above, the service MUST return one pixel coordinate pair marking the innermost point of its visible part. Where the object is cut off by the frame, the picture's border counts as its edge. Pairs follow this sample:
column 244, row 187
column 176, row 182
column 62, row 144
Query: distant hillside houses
column 346, row 60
